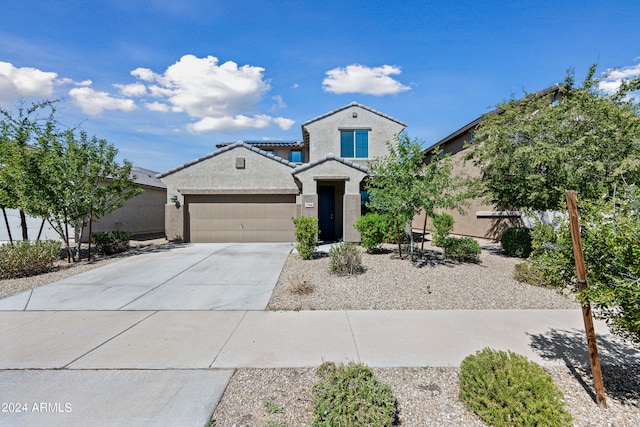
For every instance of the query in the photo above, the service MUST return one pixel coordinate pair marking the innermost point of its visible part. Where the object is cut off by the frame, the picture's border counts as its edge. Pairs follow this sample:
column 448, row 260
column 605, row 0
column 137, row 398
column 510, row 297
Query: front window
column 354, row 143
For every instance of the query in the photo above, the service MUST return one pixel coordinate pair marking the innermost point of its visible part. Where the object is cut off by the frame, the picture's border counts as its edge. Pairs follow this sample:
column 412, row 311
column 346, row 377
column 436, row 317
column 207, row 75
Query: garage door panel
column 241, row 218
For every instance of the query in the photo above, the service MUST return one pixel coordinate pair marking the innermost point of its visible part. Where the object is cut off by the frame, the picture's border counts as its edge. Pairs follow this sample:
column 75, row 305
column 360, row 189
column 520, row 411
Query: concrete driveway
column 215, row 276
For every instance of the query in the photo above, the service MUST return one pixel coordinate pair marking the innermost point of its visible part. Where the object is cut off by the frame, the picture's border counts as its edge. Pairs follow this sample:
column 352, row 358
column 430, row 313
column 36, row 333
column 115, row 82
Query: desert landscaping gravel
column 426, row 396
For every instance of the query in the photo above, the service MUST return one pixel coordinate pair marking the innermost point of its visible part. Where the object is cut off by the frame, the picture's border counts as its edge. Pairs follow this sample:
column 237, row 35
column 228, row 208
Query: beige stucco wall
column 471, row 224
column 324, row 134
column 219, row 173
column 333, row 172
column 143, row 214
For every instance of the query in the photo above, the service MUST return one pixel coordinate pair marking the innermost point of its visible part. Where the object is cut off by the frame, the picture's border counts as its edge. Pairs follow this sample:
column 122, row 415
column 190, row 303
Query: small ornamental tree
column 402, row 185
column 611, row 246
column 78, row 176
column 580, row 138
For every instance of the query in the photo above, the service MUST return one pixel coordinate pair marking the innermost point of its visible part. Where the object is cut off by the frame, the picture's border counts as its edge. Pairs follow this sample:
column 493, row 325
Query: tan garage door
column 241, row 218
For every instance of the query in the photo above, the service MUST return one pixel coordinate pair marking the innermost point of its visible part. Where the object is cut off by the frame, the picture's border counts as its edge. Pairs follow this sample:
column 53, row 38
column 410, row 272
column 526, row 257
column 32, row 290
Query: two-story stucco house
column 250, row 191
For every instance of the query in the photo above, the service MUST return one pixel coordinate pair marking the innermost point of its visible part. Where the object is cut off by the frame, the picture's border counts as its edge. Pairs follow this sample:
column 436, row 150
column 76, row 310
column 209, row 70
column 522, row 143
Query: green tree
column 78, row 176
column 531, row 150
column 18, row 132
column 402, row 185
column 393, row 187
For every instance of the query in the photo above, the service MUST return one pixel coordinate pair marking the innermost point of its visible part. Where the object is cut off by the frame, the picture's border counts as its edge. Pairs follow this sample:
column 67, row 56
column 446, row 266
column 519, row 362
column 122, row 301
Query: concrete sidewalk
column 146, row 367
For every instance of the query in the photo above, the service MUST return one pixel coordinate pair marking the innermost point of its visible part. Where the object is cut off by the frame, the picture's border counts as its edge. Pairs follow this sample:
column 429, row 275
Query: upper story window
column 354, row 143
column 296, row 156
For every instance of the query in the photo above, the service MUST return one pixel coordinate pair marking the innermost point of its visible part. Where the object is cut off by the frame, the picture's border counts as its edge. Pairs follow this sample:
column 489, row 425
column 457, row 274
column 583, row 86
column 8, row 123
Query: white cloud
column 134, row 89
column 219, row 96
column 613, row 78
column 357, row 78
column 24, row 82
column 157, row 106
column 239, row 122
column 94, row 102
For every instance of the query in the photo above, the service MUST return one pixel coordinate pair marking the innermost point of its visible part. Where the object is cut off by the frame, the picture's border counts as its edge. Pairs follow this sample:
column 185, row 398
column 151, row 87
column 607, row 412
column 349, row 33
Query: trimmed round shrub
column 345, row 259
column 516, row 242
column 26, row 258
column 373, row 229
column 507, row 389
column 443, row 224
column 306, row 234
column 462, row 249
column 351, row 395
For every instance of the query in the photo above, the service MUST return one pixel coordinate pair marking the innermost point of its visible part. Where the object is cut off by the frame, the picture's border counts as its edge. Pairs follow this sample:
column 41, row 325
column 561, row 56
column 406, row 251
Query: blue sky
column 166, row 80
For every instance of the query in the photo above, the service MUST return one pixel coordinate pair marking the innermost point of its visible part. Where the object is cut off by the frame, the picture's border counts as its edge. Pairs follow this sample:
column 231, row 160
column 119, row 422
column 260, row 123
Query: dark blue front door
column 327, row 211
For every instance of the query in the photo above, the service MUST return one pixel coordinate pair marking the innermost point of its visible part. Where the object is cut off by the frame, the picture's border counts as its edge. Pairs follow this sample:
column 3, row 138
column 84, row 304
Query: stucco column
column 351, row 213
column 174, row 222
column 309, row 205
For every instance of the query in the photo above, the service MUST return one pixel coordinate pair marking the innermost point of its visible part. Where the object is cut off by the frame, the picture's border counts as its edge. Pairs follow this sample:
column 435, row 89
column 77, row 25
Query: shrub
column 506, row 389
column 462, row 249
column 516, row 241
column 530, row 273
column 28, row 258
column 351, row 395
column 306, row 235
column 443, row 224
column 111, row 242
column 345, row 259
column 300, row 285
column 373, row 229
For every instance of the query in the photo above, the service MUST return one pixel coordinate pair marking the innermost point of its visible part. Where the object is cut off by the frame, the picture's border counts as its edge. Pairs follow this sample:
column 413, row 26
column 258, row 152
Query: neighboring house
column 482, row 220
column 141, row 215
column 249, row 191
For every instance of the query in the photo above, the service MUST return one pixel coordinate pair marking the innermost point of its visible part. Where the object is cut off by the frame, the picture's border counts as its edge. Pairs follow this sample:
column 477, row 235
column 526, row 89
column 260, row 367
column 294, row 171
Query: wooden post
column 90, row 231
column 596, row 372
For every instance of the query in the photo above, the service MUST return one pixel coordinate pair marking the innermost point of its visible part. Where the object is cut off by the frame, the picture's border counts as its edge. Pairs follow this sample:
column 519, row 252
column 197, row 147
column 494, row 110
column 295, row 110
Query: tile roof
column 330, row 156
column 353, row 104
column 225, row 149
column 297, row 144
column 142, row 176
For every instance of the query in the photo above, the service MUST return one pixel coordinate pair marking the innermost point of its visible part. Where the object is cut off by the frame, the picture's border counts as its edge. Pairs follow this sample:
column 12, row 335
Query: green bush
column 443, row 224
column 111, row 242
column 462, row 249
column 516, row 241
column 28, row 258
column 506, row 389
column 373, row 229
column 345, row 259
column 351, row 395
column 306, row 235
column 527, row 272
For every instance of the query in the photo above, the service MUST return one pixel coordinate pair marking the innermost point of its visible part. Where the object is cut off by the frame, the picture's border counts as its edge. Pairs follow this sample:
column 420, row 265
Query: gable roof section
column 330, row 156
column 353, row 104
column 224, row 149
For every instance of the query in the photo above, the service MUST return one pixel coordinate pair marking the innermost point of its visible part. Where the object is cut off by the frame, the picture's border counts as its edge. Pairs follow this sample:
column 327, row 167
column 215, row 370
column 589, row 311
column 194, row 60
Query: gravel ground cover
column 432, row 283
column 426, row 396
